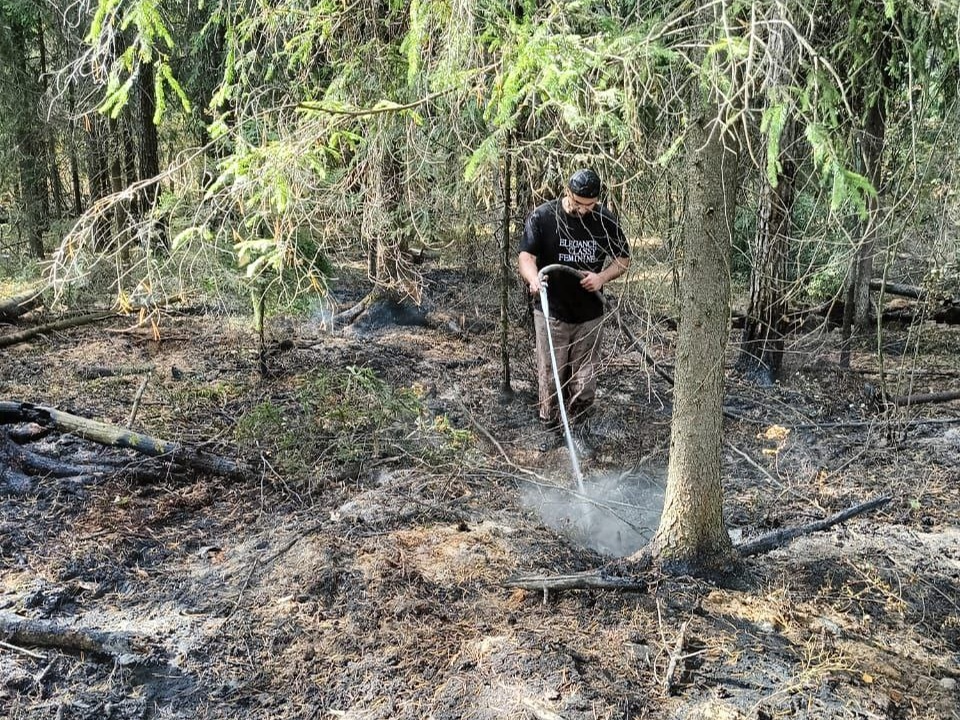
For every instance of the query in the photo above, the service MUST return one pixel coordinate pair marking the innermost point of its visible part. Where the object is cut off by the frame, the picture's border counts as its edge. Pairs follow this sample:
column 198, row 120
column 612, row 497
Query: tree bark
column 28, row 140
column 150, row 158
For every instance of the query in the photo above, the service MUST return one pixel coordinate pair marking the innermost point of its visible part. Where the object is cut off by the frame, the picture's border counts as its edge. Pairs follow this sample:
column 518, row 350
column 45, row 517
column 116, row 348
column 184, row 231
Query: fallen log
column 892, row 288
column 107, row 434
column 347, row 316
column 13, row 307
column 123, row 648
column 24, row 335
column 20, row 466
column 920, row 398
column 589, row 580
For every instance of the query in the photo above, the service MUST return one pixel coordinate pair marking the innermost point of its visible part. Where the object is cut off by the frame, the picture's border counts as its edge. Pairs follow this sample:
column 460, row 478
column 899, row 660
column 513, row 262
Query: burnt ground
column 359, row 572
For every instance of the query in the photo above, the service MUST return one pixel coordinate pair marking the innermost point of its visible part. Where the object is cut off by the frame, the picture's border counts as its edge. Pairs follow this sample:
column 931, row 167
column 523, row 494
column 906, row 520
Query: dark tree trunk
column 29, row 142
column 761, row 351
column 150, row 157
column 506, row 267
column 74, row 159
column 98, row 180
column 870, row 151
column 54, row 199
column 120, row 211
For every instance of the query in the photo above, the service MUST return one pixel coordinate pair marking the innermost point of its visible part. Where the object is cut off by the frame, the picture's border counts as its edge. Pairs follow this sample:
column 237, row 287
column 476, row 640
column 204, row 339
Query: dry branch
column 106, row 434
column 93, row 372
column 345, row 317
column 766, row 543
column 676, row 657
column 539, row 710
column 590, row 580
column 892, row 288
column 24, row 335
column 48, row 633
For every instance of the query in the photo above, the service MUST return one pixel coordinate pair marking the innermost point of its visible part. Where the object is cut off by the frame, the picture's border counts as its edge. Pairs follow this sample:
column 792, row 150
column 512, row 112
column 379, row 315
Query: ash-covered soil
column 367, row 581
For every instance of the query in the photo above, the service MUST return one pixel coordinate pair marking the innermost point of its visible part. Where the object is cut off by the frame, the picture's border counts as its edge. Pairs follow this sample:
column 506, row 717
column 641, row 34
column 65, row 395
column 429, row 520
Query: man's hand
column 529, row 272
column 591, row 282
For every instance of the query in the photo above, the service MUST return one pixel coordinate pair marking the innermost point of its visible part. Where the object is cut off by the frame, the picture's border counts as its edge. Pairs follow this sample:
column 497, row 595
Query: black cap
column 585, row 183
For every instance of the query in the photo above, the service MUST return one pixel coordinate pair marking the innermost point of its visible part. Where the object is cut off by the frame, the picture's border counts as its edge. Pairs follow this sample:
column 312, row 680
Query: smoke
column 616, row 515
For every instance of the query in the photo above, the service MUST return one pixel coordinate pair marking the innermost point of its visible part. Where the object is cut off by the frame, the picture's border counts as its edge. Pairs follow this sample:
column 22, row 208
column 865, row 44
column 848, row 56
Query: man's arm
column 528, row 271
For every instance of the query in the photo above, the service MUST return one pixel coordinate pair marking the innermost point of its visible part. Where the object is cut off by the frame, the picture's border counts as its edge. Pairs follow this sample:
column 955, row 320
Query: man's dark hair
column 585, row 183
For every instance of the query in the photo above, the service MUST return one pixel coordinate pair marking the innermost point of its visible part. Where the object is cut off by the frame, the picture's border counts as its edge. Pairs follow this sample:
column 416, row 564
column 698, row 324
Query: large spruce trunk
column 692, row 537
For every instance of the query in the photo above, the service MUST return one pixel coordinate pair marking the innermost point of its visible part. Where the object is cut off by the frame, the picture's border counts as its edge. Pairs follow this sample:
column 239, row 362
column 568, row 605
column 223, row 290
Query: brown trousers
column 577, row 347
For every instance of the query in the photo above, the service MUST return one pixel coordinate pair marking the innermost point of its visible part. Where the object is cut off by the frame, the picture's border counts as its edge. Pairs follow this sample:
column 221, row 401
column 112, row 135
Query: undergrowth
column 335, row 421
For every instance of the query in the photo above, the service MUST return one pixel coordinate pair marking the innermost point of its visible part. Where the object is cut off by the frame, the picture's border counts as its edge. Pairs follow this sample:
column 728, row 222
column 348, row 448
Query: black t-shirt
column 554, row 236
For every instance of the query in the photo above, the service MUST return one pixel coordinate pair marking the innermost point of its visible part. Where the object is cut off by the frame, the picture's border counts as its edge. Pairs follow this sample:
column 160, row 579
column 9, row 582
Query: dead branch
column 21, row 651
column 773, row 540
column 345, row 317
column 41, row 464
column 892, row 288
column 106, row 434
column 136, row 400
column 24, row 335
column 94, row 372
column 121, row 647
column 590, row 580
column 676, row 656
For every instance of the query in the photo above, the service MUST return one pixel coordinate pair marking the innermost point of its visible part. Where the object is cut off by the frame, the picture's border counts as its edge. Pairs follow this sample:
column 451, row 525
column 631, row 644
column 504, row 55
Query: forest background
column 789, row 157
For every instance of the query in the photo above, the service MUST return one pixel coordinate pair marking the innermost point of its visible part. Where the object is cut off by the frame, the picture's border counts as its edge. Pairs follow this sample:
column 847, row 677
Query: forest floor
column 360, row 571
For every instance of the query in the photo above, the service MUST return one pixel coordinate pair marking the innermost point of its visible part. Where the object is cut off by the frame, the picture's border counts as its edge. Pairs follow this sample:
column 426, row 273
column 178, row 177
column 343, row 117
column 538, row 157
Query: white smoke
column 616, row 514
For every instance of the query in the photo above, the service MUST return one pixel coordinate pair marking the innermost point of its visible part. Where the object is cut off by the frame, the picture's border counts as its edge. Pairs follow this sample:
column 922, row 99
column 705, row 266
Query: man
column 578, row 232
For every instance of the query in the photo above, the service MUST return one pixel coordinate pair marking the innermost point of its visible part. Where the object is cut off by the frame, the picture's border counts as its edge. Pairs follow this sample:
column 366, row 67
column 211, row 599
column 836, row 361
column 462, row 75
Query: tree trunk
column 74, row 160
column 692, row 537
column 150, row 158
column 120, row 210
column 98, row 180
column 29, row 141
column 870, row 148
column 384, row 226
column 506, row 271
column 761, row 351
